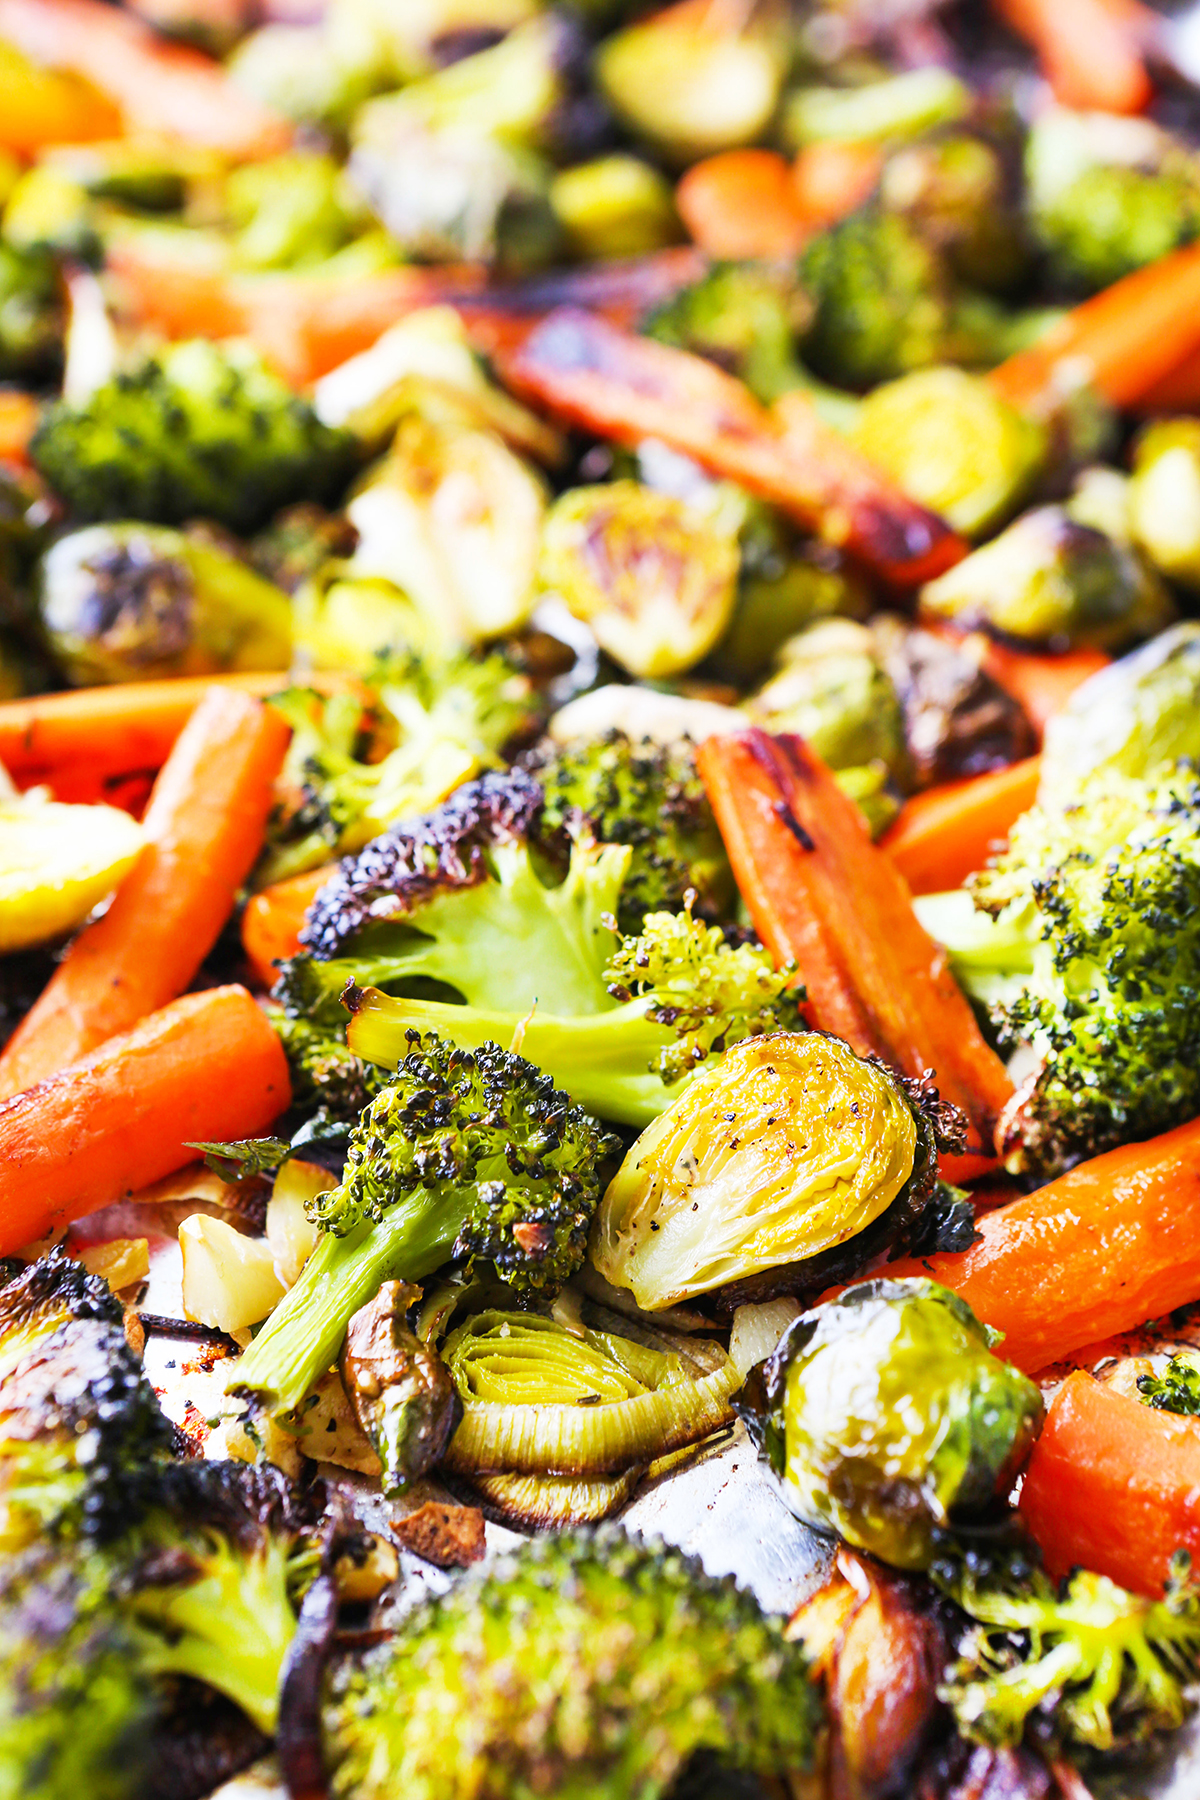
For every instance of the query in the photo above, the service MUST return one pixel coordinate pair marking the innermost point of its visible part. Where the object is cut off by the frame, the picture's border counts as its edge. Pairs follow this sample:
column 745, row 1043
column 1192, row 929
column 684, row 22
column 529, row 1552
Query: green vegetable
column 886, row 1416
column 48, row 210
column 602, row 1666
column 899, row 106
column 135, row 602
column 957, row 190
column 784, row 586
column 1164, row 498
column 744, row 316
column 312, row 76
column 615, row 206
column 399, row 1388
column 290, row 211
column 831, row 689
column 345, row 621
column 31, row 319
column 462, row 1154
column 197, row 430
column 1177, row 1389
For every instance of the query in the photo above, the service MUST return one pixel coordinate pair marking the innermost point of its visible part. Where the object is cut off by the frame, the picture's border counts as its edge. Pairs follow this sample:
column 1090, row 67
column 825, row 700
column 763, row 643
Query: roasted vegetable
column 831, row 690
column 1164, row 498
column 130, row 602
column 195, row 430
column 886, row 1417
column 615, row 206
column 31, row 318
column 400, row 1389
column 1177, row 1389
column 605, row 1666
column 341, row 620
column 56, row 864
column 746, row 317
column 896, row 107
column 291, row 211
column 957, row 189
column 958, row 720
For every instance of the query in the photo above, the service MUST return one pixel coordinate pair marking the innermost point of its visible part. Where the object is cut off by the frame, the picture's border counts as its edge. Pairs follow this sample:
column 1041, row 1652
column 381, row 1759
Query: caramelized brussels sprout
column 887, row 1417
column 689, row 84
column 130, row 602
column 398, row 1387
column 792, row 1144
column 1048, row 579
column 899, row 106
column 345, row 621
column 957, row 720
column 784, row 586
column 831, row 689
column 1164, row 498
column 56, row 864
column 290, row 211
column 49, row 210
column 957, row 189
column 953, row 444
column 653, row 577
column 614, row 206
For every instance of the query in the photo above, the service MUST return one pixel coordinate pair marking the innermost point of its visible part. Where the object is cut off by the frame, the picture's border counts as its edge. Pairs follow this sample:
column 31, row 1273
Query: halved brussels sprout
column 1164, row 498
column 653, row 577
column 782, row 589
column 958, row 189
column 899, row 106
column 950, row 442
column 831, row 689
column 791, row 1145
column 1049, row 580
column 346, row 621
column 887, row 1417
column 615, row 206
column 291, row 211
column 56, row 864
column 129, row 602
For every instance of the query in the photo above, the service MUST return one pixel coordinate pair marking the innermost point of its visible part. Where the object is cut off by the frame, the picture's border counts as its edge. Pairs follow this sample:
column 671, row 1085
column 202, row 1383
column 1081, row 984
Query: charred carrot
column 1177, row 391
column 1124, row 340
column 944, row 835
column 1110, row 1243
column 1090, row 50
column 272, row 920
column 1113, row 1486
column 742, row 203
column 206, row 1067
column 629, row 388
column 1042, row 684
column 204, row 828
column 155, row 85
column 822, row 894
column 831, row 179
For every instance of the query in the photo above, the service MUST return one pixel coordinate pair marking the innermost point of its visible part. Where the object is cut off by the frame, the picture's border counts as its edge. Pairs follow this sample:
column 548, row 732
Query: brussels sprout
column 56, row 864
column 130, row 602
column 688, row 84
column 615, row 206
column 153, row 174
column 302, row 72
column 290, row 211
column 1131, row 717
column 344, row 621
column 949, row 441
column 887, row 1417
column 790, row 1145
column 957, row 720
column 1101, row 498
column 831, row 689
column 399, row 1388
column 31, row 313
column 47, row 209
column 1164, row 498
column 956, row 189
column 1047, row 579
column 897, row 107
column 783, row 587
column 874, row 792
column 652, row 576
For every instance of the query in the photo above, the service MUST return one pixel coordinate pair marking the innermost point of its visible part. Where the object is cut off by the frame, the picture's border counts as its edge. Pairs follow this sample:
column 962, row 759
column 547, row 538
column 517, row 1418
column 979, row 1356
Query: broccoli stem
column 302, row 1338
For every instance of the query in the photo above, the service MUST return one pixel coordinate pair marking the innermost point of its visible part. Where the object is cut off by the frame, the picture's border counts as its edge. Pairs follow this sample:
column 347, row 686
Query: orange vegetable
column 1113, row 1486
column 1041, row 683
column 1090, row 50
column 206, row 1067
column 18, row 417
column 1177, row 391
column 272, row 920
column 48, row 106
column 742, row 203
column 1124, row 340
column 1110, row 1243
column 822, row 894
column 155, row 85
column 628, row 388
column 944, row 835
column 204, row 827
column 831, row 180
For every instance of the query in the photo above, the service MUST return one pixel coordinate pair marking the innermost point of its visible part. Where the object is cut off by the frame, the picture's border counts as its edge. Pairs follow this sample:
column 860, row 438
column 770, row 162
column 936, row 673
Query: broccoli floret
column 1088, row 1669
column 197, row 430
column 1177, row 1389
column 439, row 722
column 682, row 992
column 31, row 319
column 586, row 1664
column 463, row 1155
column 744, row 316
column 299, row 542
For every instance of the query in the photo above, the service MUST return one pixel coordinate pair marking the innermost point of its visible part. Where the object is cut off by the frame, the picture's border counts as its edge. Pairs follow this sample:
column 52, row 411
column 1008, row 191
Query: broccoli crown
column 744, row 316
column 1112, row 219
column 31, row 320
column 1177, row 1389
column 1110, row 889
column 79, row 1423
column 1089, row 1668
column 325, row 1074
column 650, row 797
column 585, row 1665
column 196, row 430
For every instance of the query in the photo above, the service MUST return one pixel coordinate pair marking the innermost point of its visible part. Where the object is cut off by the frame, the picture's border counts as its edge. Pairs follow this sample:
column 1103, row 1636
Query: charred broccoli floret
column 1177, row 1389
column 463, row 1155
column 197, row 430
column 31, row 321
column 744, row 316
column 586, row 1663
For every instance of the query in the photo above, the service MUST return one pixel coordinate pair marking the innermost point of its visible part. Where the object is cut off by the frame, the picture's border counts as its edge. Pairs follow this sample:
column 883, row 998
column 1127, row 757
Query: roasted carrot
column 1124, row 340
column 823, row 895
column 45, row 106
column 944, row 835
column 1112, row 1242
column 272, row 920
column 18, row 417
column 1113, row 1486
column 204, row 827
column 1091, row 51
column 155, row 85
column 831, row 179
column 206, row 1067
column 742, row 203
column 1043, row 684
column 629, row 388
column 1177, row 391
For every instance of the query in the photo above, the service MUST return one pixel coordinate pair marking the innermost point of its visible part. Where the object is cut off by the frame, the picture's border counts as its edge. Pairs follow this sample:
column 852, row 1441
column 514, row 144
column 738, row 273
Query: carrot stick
column 630, row 388
column 830, row 179
column 742, row 203
column 204, row 827
column 272, row 920
column 1090, row 50
column 944, row 835
column 1113, row 1486
column 45, row 106
column 1124, row 340
column 1177, row 391
column 822, row 894
column 206, row 1067
column 157, row 86
column 1110, row 1243
column 19, row 414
